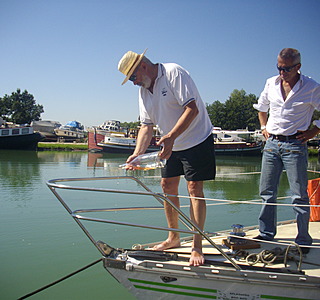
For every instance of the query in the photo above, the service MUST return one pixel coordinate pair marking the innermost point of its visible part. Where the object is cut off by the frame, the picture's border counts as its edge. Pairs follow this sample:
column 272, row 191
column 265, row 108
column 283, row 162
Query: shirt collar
column 160, row 70
column 300, row 81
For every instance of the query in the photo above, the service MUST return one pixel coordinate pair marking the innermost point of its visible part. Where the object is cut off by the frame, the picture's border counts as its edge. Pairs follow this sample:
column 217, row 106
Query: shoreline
column 55, row 146
column 50, row 146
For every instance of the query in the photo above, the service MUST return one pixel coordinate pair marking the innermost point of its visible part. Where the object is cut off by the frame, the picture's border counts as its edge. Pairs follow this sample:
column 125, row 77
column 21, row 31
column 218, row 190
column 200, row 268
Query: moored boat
column 96, row 134
column 237, row 148
column 236, row 265
column 72, row 131
column 122, row 141
column 114, row 144
column 46, row 128
column 236, row 142
column 19, row 137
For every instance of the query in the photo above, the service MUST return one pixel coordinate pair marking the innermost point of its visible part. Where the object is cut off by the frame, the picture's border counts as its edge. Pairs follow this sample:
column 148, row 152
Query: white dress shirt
column 287, row 117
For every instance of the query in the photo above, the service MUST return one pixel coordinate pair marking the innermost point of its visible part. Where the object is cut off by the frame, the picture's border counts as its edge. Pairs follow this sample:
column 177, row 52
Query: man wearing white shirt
column 169, row 98
column 290, row 99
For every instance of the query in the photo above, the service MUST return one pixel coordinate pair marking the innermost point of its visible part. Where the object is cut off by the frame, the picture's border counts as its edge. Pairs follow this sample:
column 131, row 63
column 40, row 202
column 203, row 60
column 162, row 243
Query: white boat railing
column 56, row 184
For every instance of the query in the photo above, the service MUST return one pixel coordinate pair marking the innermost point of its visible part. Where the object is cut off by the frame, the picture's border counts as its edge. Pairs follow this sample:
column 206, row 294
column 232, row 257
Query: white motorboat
column 236, row 266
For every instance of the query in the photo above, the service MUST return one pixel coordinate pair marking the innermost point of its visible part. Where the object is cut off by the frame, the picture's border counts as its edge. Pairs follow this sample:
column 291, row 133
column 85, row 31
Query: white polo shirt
column 295, row 113
column 172, row 90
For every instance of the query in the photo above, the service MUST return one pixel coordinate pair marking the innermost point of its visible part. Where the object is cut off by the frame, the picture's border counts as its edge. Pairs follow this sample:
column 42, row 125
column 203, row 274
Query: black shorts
column 196, row 164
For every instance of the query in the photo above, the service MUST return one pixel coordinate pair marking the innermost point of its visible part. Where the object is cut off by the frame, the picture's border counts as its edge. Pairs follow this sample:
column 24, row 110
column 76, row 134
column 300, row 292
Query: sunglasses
column 286, row 69
column 133, row 77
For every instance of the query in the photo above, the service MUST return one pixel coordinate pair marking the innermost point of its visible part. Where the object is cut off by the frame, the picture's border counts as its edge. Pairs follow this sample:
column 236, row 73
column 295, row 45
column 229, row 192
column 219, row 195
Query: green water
column 40, row 242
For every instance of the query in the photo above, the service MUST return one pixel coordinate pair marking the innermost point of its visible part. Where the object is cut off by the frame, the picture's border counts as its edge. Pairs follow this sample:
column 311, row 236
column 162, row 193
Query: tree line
column 20, row 108
column 236, row 112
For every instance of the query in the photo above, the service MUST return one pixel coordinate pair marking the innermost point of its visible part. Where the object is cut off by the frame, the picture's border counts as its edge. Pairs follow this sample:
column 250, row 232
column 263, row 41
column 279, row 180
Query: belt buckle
column 276, row 137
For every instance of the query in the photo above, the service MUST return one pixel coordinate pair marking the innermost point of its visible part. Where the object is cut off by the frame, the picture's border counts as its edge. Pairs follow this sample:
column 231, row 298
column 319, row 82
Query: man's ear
column 143, row 65
column 298, row 67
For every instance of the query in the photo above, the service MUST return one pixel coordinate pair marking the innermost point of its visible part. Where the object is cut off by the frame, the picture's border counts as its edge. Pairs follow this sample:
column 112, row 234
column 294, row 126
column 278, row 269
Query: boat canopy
column 74, row 124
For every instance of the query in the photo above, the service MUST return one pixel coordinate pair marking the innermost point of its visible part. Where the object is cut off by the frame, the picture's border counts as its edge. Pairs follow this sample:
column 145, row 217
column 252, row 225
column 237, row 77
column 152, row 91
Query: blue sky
column 66, row 52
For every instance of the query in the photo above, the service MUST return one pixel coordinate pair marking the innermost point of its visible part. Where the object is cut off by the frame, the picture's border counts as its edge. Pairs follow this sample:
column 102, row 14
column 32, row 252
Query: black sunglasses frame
column 133, row 77
column 286, row 69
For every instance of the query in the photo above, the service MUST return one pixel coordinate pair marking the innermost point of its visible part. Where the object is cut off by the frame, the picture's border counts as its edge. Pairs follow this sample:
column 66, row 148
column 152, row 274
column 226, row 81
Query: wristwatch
column 263, row 127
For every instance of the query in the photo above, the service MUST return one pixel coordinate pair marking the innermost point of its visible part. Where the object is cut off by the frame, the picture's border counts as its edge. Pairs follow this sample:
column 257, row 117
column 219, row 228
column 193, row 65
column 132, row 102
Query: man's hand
column 129, row 159
column 167, row 142
column 265, row 133
column 304, row 136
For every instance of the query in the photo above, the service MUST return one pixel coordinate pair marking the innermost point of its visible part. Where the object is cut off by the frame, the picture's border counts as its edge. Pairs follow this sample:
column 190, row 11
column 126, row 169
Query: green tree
column 130, row 124
column 20, row 108
column 217, row 114
column 240, row 111
column 236, row 113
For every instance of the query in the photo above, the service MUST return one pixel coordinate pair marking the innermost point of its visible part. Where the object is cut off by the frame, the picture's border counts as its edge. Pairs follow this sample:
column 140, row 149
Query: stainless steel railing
column 57, row 184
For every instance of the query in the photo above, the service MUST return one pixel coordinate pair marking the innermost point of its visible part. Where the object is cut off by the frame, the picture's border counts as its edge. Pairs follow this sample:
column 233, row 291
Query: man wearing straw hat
column 169, row 99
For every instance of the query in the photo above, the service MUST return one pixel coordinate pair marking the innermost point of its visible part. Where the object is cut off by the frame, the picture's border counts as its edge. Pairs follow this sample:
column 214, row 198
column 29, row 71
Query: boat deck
column 285, row 236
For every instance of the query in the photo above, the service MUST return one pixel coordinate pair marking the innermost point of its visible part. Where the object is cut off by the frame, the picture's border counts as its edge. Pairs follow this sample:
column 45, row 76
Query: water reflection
column 18, row 168
column 237, row 177
column 72, row 157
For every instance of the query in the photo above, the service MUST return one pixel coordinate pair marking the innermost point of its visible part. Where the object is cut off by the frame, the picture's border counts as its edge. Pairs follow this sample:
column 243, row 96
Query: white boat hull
column 166, row 281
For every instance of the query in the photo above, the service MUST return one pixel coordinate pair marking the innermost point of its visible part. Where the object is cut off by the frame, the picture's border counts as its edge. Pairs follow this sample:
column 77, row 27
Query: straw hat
column 128, row 63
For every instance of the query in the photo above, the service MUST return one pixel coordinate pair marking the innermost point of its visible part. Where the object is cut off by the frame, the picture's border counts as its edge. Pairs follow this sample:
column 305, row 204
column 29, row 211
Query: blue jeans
column 292, row 156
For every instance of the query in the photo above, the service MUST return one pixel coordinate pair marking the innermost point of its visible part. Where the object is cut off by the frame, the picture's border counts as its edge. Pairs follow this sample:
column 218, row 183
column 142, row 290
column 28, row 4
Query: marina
column 78, row 222
column 34, row 224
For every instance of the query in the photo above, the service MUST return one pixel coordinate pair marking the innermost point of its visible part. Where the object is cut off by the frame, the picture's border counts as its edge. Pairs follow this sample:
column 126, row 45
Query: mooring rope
column 224, row 201
column 61, row 279
column 254, row 201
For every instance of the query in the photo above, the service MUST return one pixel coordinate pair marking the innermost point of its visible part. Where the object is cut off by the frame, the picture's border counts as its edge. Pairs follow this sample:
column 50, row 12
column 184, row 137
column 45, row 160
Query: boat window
column 25, row 130
column 5, row 132
column 15, row 131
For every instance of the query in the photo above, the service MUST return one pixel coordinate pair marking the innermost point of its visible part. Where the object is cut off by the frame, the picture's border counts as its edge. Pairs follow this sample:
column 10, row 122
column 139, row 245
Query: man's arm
column 189, row 114
column 308, row 134
column 263, row 117
column 143, row 141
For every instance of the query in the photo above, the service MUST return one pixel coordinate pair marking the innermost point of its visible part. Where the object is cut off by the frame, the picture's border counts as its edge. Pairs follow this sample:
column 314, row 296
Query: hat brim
column 134, row 67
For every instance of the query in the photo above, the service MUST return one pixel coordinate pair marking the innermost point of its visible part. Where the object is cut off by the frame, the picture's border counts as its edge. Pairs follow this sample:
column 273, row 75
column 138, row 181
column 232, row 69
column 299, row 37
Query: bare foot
column 197, row 258
column 167, row 245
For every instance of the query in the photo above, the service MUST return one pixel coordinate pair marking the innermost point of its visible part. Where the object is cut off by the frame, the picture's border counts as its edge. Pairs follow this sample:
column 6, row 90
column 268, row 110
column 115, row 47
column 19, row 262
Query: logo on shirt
column 164, row 92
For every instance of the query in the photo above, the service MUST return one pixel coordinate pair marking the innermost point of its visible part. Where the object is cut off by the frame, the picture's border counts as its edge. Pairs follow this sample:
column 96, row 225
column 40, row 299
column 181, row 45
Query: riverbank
column 62, row 146
column 84, row 147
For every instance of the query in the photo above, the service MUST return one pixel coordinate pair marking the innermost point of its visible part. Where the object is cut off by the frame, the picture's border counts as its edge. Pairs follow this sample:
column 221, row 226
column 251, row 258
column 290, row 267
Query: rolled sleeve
column 261, row 107
column 263, row 102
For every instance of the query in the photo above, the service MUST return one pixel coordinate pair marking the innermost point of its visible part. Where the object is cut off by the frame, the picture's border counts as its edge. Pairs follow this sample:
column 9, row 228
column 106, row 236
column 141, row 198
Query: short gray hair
column 146, row 60
column 292, row 54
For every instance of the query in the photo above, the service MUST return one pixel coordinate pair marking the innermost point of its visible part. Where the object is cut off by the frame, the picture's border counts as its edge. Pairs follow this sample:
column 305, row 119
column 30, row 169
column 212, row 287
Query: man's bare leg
column 198, row 216
column 170, row 187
